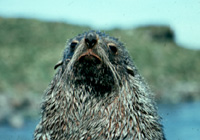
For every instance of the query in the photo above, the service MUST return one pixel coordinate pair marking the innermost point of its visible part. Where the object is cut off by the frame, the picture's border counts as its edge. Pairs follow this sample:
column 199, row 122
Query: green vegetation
column 29, row 49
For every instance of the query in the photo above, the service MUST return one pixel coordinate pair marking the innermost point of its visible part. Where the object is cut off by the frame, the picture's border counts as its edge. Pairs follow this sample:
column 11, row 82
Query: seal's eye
column 73, row 44
column 113, row 48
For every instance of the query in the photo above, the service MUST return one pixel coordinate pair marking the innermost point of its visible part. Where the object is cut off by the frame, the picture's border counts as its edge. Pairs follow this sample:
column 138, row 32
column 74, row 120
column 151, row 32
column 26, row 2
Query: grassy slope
column 29, row 49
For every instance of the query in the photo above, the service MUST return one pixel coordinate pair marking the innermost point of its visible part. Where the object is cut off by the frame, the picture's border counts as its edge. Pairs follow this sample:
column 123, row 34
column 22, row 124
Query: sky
column 183, row 16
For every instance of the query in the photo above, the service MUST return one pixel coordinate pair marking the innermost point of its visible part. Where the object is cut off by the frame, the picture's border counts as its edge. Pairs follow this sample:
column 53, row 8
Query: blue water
column 24, row 133
column 181, row 122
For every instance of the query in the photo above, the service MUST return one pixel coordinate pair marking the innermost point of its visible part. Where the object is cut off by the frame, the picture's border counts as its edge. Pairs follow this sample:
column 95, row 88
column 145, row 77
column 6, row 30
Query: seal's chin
column 89, row 57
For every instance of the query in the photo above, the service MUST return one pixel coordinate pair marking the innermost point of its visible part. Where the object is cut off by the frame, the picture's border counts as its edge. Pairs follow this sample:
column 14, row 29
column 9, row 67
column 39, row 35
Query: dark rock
column 159, row 33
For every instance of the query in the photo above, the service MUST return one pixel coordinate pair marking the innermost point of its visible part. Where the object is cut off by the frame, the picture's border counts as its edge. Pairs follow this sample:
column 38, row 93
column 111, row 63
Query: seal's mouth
column 90, row 57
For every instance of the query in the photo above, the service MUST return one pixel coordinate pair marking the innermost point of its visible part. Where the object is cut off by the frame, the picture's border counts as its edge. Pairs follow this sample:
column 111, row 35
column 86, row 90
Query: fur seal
column 97, row 93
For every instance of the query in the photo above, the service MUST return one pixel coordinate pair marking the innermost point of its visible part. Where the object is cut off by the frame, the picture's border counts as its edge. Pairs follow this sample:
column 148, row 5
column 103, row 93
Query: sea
column 180, row 122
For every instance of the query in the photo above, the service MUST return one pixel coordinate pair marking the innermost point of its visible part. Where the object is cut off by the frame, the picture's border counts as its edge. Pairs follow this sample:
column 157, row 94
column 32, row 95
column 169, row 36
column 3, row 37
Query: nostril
column 91, row 40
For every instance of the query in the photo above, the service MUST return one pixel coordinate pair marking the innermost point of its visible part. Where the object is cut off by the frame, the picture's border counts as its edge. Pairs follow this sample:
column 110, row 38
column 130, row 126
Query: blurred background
column 161, row 36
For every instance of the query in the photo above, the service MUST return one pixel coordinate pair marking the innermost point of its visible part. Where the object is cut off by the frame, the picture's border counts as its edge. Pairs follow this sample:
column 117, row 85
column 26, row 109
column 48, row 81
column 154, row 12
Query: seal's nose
column 91, row 39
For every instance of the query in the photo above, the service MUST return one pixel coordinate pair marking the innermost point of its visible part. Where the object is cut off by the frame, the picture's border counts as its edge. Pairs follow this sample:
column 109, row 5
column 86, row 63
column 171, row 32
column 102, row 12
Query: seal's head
column 97, row 60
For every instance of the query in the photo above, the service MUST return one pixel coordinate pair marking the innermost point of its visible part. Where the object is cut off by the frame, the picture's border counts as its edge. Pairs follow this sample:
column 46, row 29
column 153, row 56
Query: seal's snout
column 91, row 40
column 90, row 54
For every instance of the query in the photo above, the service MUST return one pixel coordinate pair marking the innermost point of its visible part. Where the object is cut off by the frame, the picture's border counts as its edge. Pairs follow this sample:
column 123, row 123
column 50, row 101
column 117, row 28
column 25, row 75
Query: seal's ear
column 130, row 71
column 58, row 64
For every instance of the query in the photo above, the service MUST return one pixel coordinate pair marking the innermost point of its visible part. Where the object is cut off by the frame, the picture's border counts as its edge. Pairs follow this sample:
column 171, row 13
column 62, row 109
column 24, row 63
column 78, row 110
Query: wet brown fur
column 98, row 98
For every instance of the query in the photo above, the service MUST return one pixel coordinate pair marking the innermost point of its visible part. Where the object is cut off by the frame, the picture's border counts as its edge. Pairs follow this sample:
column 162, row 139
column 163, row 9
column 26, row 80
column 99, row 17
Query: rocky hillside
column 29, row 49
